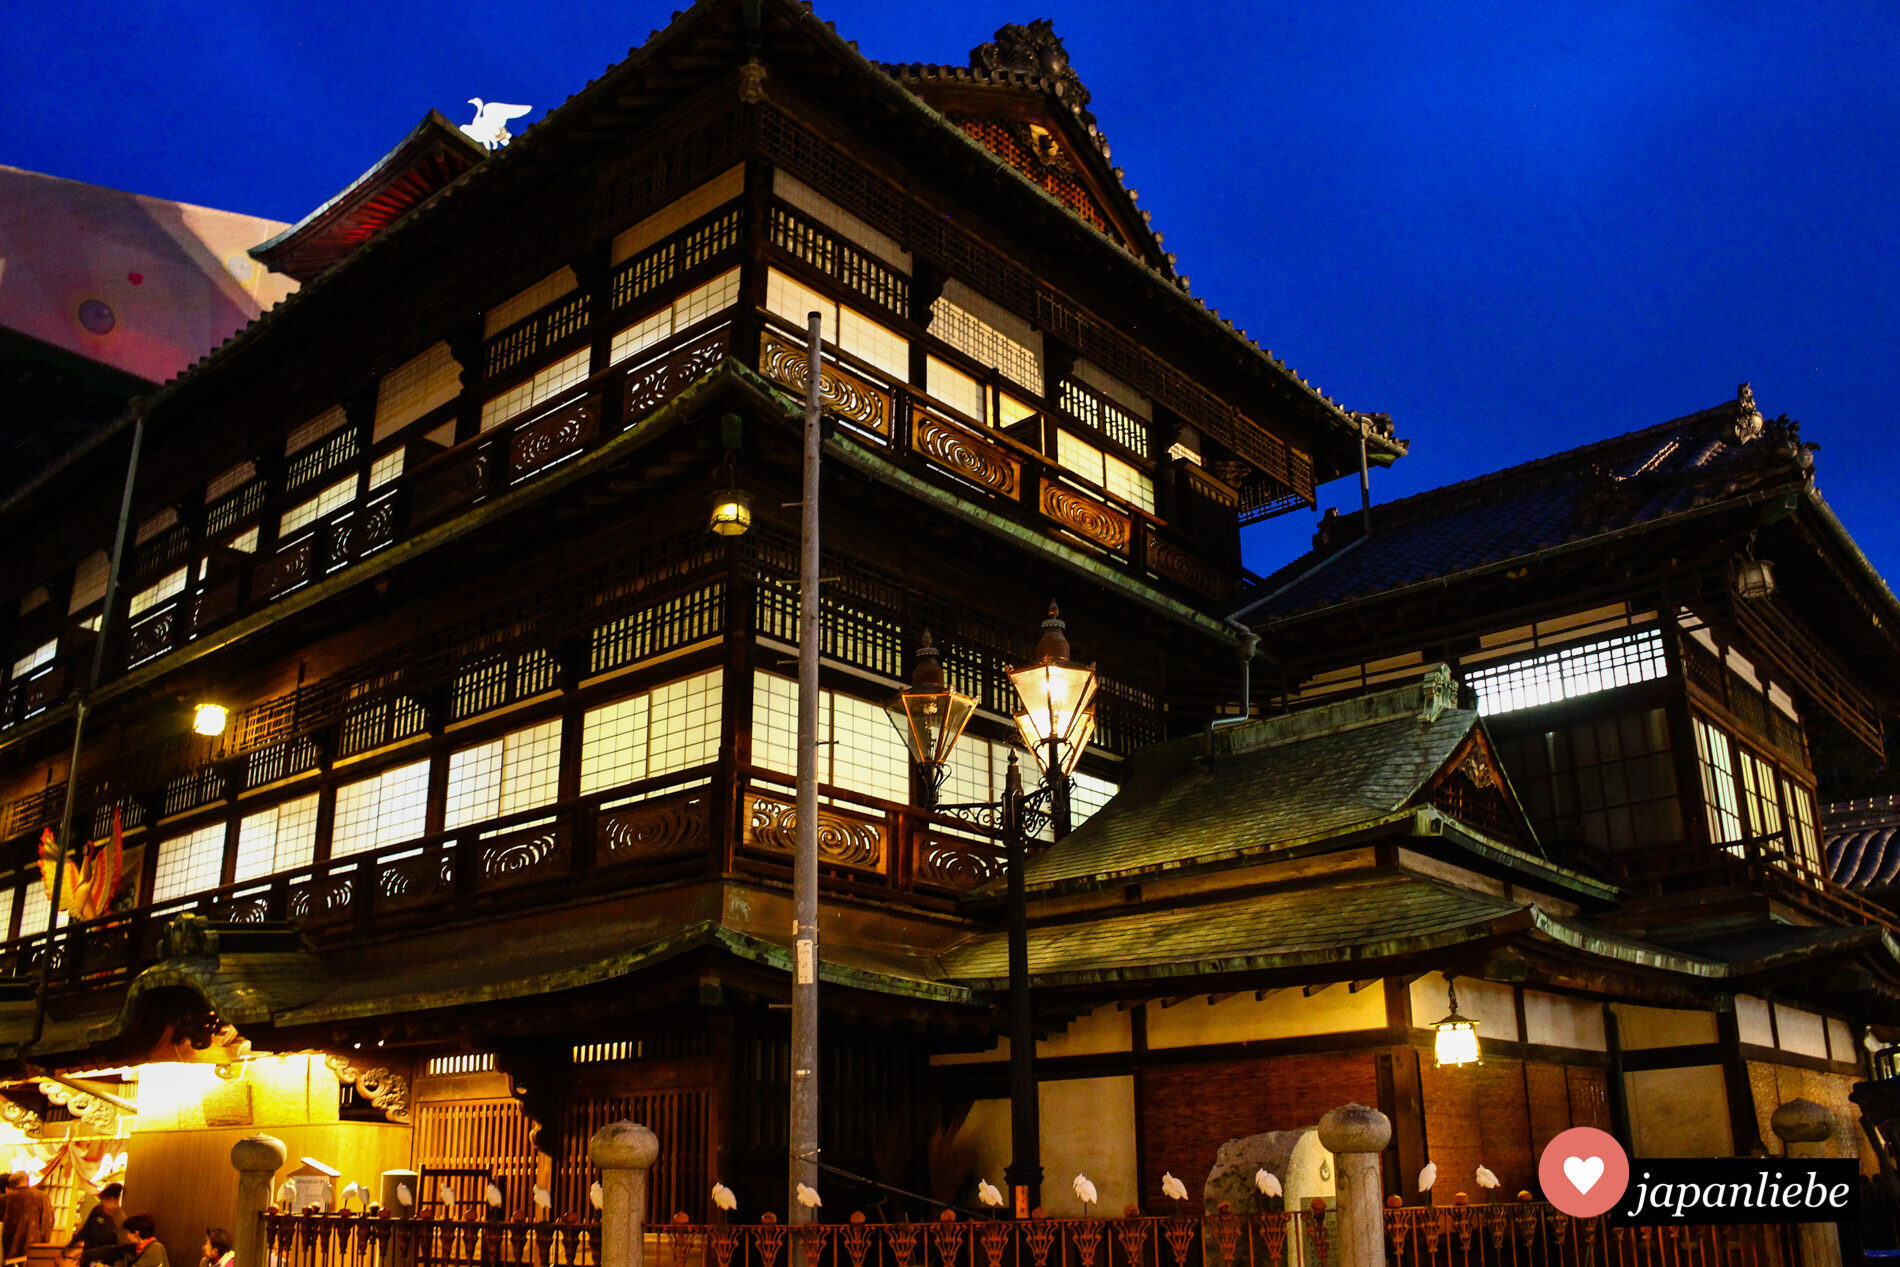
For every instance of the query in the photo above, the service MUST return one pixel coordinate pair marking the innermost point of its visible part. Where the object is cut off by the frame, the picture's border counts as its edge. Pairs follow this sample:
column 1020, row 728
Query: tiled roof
column 1277, row 782
column 1338, row 924
column 1632, row 480
column 1862, row 842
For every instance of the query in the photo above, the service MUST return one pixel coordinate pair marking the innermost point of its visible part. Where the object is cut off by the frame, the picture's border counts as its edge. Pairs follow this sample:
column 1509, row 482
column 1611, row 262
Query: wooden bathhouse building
column 493, row 844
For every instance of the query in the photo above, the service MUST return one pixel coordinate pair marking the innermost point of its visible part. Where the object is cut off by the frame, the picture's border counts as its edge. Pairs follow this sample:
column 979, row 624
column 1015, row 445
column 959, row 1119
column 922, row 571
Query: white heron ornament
column 1085, row 1193
column 723, row 1197
column 1173, row 1188
column 1486, row 1179
column 543, row 1201
column 405, row 1198
column 1428, row 1176
column 989, row 1194
column 1268, row 1183
column 490, row 126
column 807, row 1197
column 596, row 1196
column 446, row 1190
column 493, row 1193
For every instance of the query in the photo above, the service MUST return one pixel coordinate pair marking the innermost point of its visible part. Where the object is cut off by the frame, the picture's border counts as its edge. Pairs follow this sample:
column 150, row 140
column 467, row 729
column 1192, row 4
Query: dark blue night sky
column 1516, row 228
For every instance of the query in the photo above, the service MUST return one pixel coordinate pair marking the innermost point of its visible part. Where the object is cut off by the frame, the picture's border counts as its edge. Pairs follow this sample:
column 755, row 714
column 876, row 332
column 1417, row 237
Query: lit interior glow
column 210, row 719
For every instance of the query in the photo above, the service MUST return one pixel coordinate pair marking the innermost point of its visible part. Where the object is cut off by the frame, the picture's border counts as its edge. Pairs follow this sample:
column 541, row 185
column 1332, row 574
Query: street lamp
column 931, row 717
column 209, row 720
column 1055, row 721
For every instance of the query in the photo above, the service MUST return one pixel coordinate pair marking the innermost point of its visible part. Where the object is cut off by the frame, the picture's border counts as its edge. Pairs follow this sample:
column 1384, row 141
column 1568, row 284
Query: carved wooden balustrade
column 1018, row 479
column 652, row 831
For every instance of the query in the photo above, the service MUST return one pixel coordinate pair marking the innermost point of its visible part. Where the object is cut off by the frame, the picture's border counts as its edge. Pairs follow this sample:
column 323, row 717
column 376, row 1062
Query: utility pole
column 804, row 1126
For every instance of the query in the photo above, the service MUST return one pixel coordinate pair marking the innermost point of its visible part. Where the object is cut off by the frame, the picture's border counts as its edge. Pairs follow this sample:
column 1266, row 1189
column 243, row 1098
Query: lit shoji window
column 521, row 770
column 674, row 726
column 42, row 654
column 532, row 300
column 385, row 809
column 548, row 382
column 329, row 421
column 89, row 582
column 169, row 586
column 189, row 864
column 1105, row 471
column 694, row 306
column 1800, row 804
column 281, row 838
column 978, row 401
column 33, row 909
column 842, row 326
column 1570, row 673
column 335, row 497
column 859, row 750
column 414, row 388
column 8, row 896
column 988, row 335
column 1717, row 758
column 1761, row 801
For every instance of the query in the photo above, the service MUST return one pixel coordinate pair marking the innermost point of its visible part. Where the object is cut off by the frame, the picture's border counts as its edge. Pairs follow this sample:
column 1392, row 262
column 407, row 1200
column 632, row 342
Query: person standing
column 142, row 1232
column 217, row 1251
column 25, row 1214
column 101, row 1239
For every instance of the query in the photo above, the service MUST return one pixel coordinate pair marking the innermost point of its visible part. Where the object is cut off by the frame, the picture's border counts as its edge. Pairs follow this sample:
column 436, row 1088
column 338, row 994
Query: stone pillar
column 1355, row 1135
column 257, row 1160
column 1804, row 1128
column 624, row 1151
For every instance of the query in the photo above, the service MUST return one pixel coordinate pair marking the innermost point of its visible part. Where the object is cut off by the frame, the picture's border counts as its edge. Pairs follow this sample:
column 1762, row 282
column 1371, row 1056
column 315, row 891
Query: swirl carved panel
column 1169, row 560
column 960, row 866
column 555, row 436
column 1085, row 517
column 519, row 859
column 651, row 829
column 844, row 839
column 652, row 385
column 413, row 881
column 840, row 392
column 322, row 899
column 964, row 454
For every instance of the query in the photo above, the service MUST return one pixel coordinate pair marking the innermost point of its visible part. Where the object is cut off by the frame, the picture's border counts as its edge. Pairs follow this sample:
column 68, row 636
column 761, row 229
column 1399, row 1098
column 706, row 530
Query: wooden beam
column 1212, row 999
column 1310, row 990
column 1355, row 986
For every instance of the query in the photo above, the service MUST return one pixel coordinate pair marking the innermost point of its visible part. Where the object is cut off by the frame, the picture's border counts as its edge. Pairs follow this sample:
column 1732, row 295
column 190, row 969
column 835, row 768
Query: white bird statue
column 988, row 1193
column 723, row 1198
column 1268, row 1183
column 595, row 1195
column 1172, row 1188
column 807, row 1197
column 446, row 1191
column 404, row 1197
column 287, row 1194
column 1428, row 1176
column 543, row 1199
column 490, row 127
column 1084, row 1191
column 1486, row 1179
column 352, row 1191
column 493, row 1193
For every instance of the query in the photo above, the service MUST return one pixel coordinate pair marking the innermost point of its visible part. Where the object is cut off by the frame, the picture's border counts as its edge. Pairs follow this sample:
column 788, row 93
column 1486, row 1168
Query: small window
column 229, row 482
column 155, row 524
column 335, row 497
column 519, row 771
column 988, row 334
column 415, row 388
column 845, row 328
column 694, row 306
column 529, row 301
column 1718, row 783
column 324, row 424
column 1570, row 673
column 386, row 469
column 189, row 864
column 1105, row 471
column 170, row 586
column 33, row 659
column 387, row 809
column 280, row 838
column 672, row 727
column 89, row 581
column 547, row 383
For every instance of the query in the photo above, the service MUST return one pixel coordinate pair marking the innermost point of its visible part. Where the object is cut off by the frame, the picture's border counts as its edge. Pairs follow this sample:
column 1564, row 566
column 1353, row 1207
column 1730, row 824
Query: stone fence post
column 1355, row 1135
column 1804, row 1128
column 624, row 1151
column 257, row 1160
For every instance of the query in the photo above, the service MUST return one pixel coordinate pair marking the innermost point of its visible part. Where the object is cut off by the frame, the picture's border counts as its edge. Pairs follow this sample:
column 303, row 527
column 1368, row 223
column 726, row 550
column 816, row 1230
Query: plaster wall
column 1752, row 1024
column 1088, row 1128
column 1555, row 1020
column 1679, row 1112
column 1492, row 1005
column 1639, row 1028
column 1283, row 1014
column 1774, row 1085
column 1802, row 1033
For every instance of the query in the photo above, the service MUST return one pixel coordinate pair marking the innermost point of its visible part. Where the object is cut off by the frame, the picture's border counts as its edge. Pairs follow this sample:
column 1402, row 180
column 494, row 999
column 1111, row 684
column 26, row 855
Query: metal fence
column 1521, row 1234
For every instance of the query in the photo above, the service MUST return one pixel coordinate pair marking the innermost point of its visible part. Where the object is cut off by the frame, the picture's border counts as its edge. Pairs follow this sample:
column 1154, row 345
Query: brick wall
column 1188, row 1111
column 1501, row 1114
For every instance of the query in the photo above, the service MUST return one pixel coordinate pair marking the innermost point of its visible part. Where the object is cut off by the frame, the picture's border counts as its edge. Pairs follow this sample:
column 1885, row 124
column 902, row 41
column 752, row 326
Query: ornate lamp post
column 1055, row 722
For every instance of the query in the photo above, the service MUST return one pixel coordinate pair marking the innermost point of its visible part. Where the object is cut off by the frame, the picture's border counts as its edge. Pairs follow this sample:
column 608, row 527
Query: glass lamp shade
column 1070, row 749
column 731, row 512
column 1457, row 1041
column 1056, row 693
column 930, row 720
column 209, row 719
column 1754, row 579
column 929, row 714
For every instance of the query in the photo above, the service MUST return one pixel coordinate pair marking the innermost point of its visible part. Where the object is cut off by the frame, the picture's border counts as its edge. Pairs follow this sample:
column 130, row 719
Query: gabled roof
column 1270, row 786
column 1642, row 478
column 1021, row 98
column 433, row 154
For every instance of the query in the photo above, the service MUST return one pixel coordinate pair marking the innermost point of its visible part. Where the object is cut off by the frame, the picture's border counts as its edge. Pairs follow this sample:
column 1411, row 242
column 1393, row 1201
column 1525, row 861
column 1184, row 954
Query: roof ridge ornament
column 1748, row 420
column 489, row 128
column 1034, row 49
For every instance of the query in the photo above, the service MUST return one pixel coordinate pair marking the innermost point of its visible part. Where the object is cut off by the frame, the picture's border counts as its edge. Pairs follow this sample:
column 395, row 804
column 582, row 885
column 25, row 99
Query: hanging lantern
column 1457, row 1039
column 1754, row 579
column 731, row 512
column 209, row 719
column 1057, row 696
column 930, row 716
